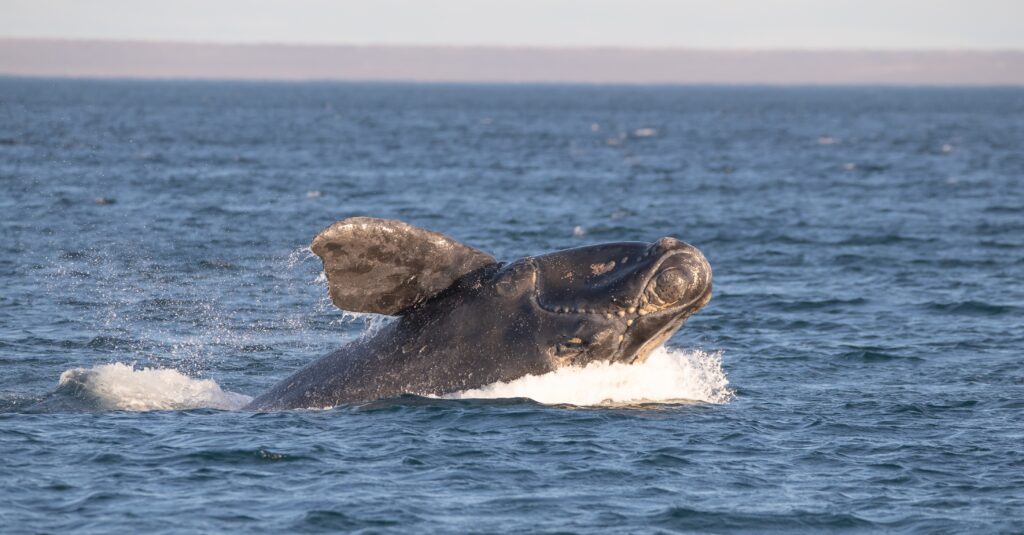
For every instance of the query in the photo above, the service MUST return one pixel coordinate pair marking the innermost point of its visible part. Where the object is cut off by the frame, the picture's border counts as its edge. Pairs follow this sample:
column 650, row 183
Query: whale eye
column 515, row 278
column 570, row 348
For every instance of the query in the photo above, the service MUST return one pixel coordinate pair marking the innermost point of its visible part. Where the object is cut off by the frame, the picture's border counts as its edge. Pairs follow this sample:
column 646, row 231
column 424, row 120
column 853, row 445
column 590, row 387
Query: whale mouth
column 674, row 322
column 679, row 286
column 645, row 350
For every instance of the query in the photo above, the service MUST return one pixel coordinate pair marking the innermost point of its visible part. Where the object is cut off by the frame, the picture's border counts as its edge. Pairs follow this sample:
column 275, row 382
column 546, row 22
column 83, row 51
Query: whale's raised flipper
column 386, row 266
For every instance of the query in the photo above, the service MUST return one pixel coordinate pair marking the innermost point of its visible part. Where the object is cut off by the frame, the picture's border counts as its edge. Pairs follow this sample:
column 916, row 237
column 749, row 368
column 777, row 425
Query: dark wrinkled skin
column 502, row 322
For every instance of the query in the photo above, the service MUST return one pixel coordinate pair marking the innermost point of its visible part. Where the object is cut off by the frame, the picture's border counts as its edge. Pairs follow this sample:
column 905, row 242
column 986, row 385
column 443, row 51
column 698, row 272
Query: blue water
column 868, row 248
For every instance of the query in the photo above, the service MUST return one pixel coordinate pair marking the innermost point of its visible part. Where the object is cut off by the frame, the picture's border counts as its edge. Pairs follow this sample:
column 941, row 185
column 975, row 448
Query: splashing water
column 119, row 386
column 668, row 375
column 298, row 256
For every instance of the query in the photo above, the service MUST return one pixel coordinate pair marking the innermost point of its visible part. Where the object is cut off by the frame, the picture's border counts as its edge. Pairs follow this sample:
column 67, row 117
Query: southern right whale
column 465, row 320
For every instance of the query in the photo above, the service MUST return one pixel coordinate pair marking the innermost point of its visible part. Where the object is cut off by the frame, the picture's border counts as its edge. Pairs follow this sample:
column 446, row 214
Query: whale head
column 609, row 302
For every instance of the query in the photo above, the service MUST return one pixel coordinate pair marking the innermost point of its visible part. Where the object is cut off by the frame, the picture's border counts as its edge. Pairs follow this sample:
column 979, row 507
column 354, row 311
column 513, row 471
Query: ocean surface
column 860, row 367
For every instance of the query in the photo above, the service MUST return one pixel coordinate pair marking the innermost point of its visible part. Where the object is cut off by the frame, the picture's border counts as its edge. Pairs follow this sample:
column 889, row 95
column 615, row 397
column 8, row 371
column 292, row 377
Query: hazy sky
column 758, row 24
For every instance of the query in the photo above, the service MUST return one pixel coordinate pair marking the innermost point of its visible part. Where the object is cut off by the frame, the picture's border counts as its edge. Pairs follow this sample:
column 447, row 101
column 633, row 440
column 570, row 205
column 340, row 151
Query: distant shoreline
column 502, row 65
column 470, row 84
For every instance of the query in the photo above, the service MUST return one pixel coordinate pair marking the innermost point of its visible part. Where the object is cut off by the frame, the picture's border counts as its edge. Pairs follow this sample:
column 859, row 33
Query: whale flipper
column 385, row 266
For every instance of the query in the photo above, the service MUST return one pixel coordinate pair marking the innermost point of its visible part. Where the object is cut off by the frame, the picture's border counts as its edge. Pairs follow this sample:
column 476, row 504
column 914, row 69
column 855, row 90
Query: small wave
column 818, row 304
column 871, row 355
column 119, row 386
column 112, row 342
column 668, row 375
column 217, row 264
column 972, row 308
column 865, row 240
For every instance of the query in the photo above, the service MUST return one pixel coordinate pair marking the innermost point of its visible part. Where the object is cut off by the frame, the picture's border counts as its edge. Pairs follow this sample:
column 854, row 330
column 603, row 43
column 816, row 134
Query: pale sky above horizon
column 731, row 24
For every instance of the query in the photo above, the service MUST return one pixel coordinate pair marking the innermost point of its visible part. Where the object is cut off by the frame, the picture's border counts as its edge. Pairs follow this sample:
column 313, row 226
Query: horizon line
column 640, row 48
column 489, row 64
column 469, row 84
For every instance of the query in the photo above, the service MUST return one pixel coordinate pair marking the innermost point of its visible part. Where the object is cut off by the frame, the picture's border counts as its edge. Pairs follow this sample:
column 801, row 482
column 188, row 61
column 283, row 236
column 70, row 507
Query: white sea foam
column 121, row 387
column 668, row 375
